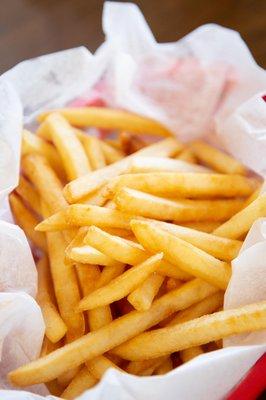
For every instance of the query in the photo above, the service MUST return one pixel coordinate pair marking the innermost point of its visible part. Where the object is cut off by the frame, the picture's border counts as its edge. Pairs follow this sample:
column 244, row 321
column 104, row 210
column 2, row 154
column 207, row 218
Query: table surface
column 29, row 28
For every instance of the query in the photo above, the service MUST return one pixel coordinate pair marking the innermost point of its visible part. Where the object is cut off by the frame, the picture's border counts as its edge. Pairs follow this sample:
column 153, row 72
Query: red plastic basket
column 253, row 384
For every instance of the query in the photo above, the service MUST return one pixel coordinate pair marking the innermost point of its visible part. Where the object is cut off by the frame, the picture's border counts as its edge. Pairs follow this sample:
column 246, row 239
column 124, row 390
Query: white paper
column 206, row 84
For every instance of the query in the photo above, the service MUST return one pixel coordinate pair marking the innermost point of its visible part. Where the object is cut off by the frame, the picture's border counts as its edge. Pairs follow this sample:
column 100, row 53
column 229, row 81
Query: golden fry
column 127, row 251
column 121, row 286
column 82, row 381
column 206, row 306
column 166, row 366
column 55, row 328
column 172, row 284
column 107, row 118
column 196, row 332
column 111, row 154
column 27, row 221
column 65, row 285
column 241, row 222
column 121, row 249
column 97, row 198
column 87, row 184
column 188, row 156
column 207, row 227
column 192, row 185
column 142, row 297
column 163, row 164
column 137, row 367
column 68, row 146
column 32, row 143
column 190, row 353
column 217, row 159
column 28, row 194
column 106, row 338
column 108, row 274
column 99, row 365
column 48, row 346
column 183, row 254
column 56, row 222
column 84, row 215
column 94, row 151
column 88, row 276
column 89, row 255
column 222, row 248
column 150, row 206
column 45, row 180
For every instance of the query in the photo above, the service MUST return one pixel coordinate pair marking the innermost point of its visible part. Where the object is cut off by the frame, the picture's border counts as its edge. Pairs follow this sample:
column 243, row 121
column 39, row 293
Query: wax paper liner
column 205, row 85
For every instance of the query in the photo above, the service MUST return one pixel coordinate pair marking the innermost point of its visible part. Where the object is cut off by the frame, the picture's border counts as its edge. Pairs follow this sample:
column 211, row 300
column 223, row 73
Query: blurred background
column 29, row 28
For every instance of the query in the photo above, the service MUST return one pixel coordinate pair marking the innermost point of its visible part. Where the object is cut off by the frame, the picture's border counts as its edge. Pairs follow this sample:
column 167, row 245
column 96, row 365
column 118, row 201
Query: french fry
column 196, row 332
column 27, row 221
column 84, row 215
column 28, row 194
column 87, row 276
column 142, row 297
column 110, row 204
column 111, row 153
column 172, row 284
column 172, row 271
column 48, row 346
column 89, row 255
column 207, row 227
column 45, row 180
column 101, row 316
column 97, row 198
column 108, row 274
column 115, row 143
column 253, row 196
column 222, row 248
column 190, row 353
column 123, row 250
column 54, row 388
column 217, row 159
column 99, row 365
column 166, row 366
column 240, row 223
column 150, row 206
column 123, row 233
column 192, row 185
column 106, row 338
column 183, row 254
column 163, row 164
column 127, row 251
column 73, row 156
column 87, row 184
column 76, row 241
column 55, row 328
column 137, row 367
column 130, row 143
column 94, row 151
column 65, row 284
column 205, row 306
column 121, row 286
column 55, row 222
column 32, row 143
column 82, row 381
column 188, row 156
column 107, row 118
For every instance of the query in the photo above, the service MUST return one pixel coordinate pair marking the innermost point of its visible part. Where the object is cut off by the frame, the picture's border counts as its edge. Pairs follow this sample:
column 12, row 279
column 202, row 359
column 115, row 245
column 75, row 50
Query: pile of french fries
column 134, row 235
